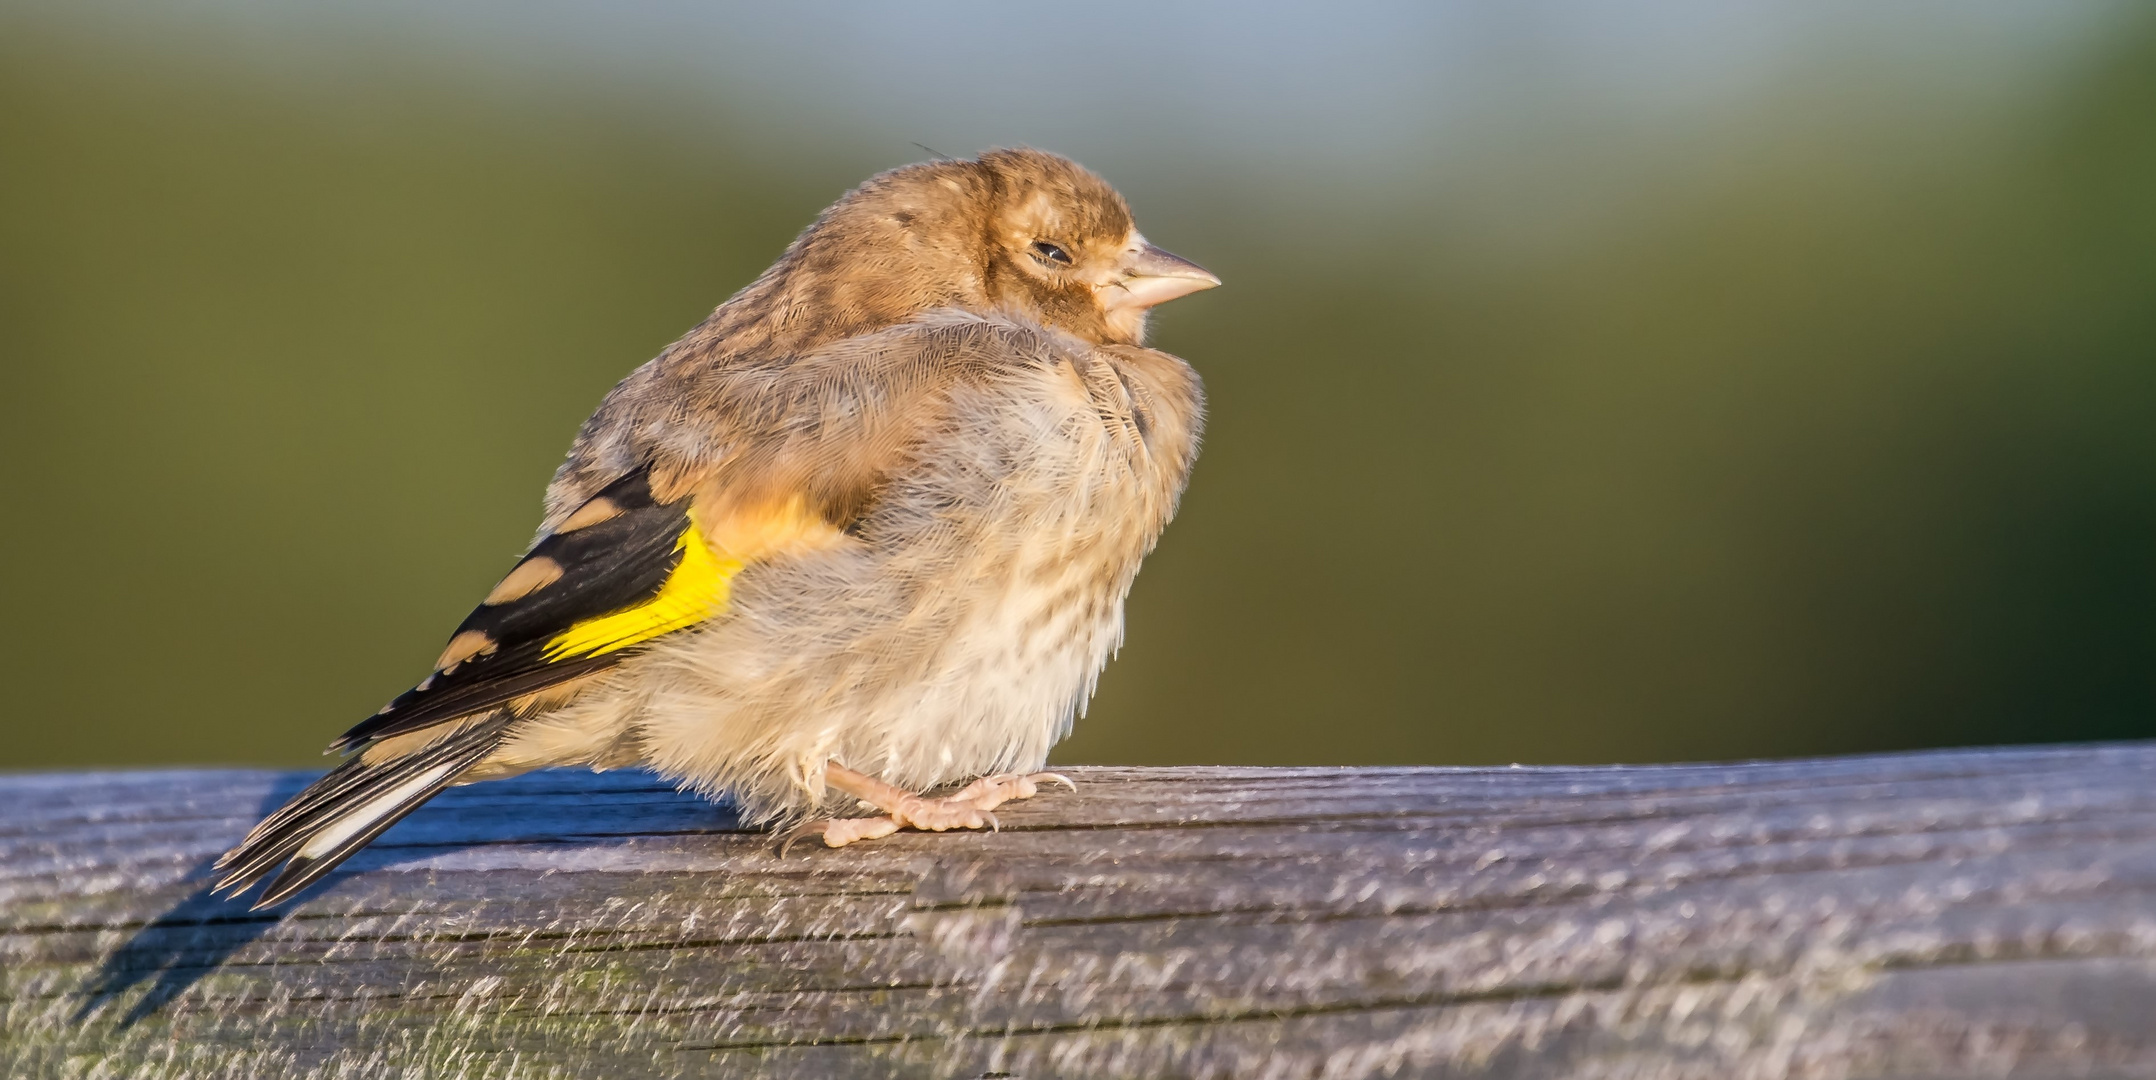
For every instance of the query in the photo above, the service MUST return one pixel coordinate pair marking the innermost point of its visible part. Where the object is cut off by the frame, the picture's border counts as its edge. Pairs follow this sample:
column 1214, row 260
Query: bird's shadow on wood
column 196, row 936
column 175, row 950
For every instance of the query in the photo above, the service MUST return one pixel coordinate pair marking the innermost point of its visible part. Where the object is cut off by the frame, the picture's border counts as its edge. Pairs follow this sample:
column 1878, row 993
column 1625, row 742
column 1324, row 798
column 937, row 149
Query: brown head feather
column 938, row 234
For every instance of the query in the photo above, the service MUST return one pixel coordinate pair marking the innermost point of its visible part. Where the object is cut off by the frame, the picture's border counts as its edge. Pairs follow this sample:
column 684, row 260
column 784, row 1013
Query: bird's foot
column 970, row 807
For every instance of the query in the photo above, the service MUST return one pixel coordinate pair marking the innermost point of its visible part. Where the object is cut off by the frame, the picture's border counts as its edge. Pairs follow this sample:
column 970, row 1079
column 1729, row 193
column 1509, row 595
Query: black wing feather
column 348, row 789
column 607, row 567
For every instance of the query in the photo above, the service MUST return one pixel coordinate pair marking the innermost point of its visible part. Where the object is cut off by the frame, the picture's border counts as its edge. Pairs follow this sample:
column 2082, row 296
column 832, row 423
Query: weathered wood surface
column 1984, row 913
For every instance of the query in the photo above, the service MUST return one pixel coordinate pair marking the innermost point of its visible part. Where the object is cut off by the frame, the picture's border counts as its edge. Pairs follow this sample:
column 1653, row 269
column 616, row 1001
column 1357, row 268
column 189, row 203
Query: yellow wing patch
column 697, row 590
column 702, row 582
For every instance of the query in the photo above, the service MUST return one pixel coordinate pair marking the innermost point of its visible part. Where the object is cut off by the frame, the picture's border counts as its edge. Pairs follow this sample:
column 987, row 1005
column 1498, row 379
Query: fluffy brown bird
column 864, row 532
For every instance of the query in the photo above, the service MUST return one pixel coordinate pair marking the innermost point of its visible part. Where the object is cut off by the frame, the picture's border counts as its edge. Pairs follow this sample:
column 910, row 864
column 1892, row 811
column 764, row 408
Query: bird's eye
column 1051, row 252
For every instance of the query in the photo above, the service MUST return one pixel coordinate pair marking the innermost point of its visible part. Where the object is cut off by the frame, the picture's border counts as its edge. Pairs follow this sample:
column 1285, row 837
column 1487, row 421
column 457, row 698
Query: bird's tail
column 347, row 808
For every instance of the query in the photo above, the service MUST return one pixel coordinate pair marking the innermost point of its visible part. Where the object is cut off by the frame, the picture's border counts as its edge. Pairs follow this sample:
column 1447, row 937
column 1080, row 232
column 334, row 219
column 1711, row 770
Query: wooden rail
column 1974, row 913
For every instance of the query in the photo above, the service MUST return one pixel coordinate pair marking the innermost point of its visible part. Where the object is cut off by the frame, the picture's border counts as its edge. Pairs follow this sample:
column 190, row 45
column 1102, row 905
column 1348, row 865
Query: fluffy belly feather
column 1014, row 676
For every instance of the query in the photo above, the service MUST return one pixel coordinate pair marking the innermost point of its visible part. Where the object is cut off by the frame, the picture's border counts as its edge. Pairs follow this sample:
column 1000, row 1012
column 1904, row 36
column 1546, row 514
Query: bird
column 862, row 534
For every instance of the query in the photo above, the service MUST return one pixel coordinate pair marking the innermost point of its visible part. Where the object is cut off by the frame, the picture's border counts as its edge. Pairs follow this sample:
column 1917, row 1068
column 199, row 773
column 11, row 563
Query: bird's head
column 1020, row 231
column 1060, row 245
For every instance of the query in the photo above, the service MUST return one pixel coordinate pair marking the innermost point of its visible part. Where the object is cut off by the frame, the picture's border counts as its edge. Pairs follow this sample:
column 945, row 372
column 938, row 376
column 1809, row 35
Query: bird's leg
column 968, row 808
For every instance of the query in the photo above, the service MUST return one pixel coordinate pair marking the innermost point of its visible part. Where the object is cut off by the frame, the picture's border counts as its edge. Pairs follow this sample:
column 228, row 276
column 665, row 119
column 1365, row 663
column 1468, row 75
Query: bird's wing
column 624, row 569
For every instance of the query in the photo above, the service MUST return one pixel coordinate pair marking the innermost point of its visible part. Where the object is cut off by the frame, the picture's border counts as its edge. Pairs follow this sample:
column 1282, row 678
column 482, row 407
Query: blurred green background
column 1594, row 381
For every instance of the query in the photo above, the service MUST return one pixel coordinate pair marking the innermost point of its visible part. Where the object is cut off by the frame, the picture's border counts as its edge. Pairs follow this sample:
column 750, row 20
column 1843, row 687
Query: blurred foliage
column 1831, row 428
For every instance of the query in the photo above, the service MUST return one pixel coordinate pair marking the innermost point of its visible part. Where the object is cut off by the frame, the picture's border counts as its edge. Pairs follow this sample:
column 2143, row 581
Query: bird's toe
column 990, row 792
column 839, row 832
column 939, row 815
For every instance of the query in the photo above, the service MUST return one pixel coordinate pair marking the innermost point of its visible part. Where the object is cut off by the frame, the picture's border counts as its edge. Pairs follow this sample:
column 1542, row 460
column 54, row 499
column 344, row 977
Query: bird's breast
column 1023, row 533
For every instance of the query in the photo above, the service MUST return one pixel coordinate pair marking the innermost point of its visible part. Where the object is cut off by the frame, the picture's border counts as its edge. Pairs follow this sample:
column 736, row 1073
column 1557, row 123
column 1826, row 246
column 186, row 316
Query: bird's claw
column 1056, row 778
column 786, row 840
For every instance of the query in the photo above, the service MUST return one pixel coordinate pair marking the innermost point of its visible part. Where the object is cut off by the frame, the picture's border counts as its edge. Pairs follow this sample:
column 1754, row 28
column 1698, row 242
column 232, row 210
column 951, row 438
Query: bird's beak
column 1152, row 276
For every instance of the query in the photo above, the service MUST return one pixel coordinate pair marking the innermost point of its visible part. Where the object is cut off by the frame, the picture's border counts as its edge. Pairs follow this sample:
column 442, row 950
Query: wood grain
column 1969, row 913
